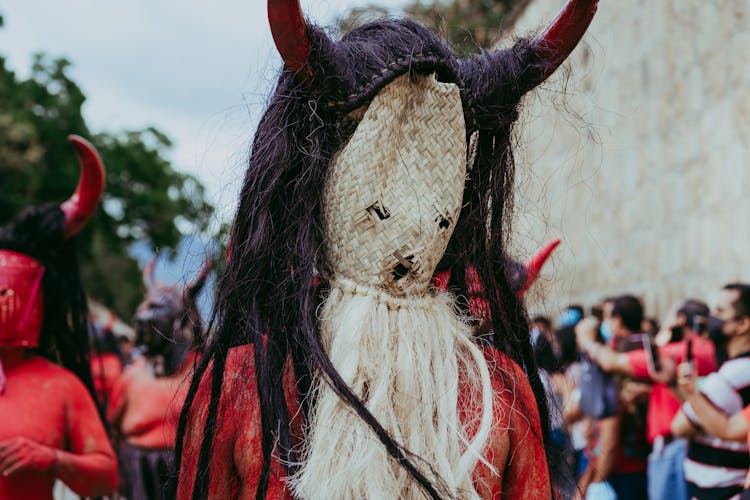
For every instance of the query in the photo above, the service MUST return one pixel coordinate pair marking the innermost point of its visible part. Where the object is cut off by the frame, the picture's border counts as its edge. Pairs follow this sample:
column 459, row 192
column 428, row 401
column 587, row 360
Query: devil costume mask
column 381, row 160
column 41, row 299
column 167, row 323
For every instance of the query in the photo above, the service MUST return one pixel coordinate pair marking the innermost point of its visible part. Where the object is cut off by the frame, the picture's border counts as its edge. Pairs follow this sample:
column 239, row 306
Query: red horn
column 289, row 32
column 79, row 208
column 535, row 264
column 563, row 34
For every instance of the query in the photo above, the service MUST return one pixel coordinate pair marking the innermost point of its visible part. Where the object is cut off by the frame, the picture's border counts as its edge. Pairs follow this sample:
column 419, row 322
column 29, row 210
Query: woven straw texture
column 394, row 192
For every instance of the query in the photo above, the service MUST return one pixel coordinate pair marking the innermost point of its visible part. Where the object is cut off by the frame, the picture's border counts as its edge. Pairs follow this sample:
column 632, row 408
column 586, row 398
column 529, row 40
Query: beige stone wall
column 642, row 166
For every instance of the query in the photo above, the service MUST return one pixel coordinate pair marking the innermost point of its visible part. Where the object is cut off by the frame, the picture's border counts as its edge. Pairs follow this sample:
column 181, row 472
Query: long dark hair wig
column 267, row 295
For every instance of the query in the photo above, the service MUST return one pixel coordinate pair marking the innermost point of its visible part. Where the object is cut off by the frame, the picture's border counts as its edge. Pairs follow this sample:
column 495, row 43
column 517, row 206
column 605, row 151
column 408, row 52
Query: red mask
column 21, row 301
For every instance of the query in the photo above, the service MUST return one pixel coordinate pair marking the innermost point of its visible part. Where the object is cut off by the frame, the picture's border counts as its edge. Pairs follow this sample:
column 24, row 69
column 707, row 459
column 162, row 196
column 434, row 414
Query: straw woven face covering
column 393, row 193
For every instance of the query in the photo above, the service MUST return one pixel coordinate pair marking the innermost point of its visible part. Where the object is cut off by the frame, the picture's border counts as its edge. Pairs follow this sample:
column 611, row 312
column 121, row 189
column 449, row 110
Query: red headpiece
column 21, row 300
column 21, row 304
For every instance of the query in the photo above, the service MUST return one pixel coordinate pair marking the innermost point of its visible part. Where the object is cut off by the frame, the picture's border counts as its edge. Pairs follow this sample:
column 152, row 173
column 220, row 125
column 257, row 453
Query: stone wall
column 640, row 159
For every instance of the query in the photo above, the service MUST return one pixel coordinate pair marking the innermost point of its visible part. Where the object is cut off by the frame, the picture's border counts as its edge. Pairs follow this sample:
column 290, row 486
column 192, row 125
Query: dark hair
column 653, row 326
column 266, row 296
column 576, row 307
column 742, row 304
column 566, row 337
column 544, row 355
column 691, row 309
column 597, row 312
column 544, row 320
column 630, row 310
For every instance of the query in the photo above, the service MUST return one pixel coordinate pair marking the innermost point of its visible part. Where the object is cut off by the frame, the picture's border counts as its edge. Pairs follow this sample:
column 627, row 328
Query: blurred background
column 635, row 154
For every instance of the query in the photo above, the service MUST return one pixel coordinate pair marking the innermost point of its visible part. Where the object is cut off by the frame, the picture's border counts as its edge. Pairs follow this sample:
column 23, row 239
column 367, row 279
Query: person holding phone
column 666, row 478
column 717, row 463
column 620, row 456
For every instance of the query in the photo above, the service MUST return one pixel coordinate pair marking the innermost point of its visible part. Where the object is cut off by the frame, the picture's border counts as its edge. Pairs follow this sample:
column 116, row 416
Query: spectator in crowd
column 570, row 316
column 567, row 382
column 716, row 467
column 621, row 451
column 541, row 326
column 650, row 326
column 713, row 421
column 666, row 476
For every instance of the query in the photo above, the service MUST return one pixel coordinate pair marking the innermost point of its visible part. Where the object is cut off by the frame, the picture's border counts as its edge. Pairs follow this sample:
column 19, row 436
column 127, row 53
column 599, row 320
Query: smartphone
column 699, row 325
column 652, row 353
column 689, row 354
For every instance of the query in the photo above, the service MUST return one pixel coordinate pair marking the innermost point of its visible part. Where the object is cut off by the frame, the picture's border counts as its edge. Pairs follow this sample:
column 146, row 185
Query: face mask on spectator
column 569, row 317
column 677, row 334
column 715, row 328
column 606, row 331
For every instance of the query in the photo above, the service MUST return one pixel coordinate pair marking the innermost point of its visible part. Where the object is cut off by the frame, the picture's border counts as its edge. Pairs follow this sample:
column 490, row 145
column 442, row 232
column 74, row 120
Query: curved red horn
column 535, row 264
column 563, row 34
column 289, row 32
column 79, row 208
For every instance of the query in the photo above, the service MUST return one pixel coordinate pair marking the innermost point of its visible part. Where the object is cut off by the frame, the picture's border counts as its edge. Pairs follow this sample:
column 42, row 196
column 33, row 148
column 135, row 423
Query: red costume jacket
column 515, row 446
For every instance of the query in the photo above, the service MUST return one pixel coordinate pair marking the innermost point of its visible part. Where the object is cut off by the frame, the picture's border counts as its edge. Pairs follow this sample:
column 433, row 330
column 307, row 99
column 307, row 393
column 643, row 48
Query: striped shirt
column 715, row 468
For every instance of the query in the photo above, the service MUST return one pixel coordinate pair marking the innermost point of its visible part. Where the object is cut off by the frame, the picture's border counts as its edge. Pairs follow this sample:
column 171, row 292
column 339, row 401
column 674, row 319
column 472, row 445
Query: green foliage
column 145, row 198
column 467, row 24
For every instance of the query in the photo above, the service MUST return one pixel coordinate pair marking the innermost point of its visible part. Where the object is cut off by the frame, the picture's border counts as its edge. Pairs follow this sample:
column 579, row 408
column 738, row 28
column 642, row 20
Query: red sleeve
column 526, row 475
column 236, row 458
column 638, row 360
column 516, row 447
column 223, row 476
column 638, row 364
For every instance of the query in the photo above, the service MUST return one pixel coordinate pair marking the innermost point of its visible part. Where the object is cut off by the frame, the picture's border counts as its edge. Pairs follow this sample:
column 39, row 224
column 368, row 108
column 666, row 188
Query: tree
column 145, row 198
column 466, row 24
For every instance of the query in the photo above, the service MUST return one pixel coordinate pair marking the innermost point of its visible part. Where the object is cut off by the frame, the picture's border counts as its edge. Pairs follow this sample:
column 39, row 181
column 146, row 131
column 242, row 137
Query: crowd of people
column 648, row 411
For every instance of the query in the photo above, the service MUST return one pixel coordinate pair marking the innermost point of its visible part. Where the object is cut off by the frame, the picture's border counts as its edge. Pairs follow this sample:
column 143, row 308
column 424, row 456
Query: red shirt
column 662, row 404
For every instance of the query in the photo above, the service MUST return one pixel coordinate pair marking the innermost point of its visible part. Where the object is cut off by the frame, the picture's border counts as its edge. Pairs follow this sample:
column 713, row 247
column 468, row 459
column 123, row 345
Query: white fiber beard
column 404, row 358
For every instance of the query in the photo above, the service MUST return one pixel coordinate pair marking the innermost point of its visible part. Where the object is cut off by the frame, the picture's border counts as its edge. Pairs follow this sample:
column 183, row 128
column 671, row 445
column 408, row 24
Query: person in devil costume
column 382, row 163
column 147, row 398
column 49, row 424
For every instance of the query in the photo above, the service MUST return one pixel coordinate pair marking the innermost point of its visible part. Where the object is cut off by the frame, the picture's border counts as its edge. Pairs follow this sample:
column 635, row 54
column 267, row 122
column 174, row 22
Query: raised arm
column 714, row 421
column 607, row 359
column 717, row 423
column 681, row 426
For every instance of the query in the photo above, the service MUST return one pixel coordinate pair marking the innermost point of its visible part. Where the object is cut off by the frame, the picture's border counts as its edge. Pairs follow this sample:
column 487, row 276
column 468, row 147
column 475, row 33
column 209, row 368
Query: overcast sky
column 198, row 70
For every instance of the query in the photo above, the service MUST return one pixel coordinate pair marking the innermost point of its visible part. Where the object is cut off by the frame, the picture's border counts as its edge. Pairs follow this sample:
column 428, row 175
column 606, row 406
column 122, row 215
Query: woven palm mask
column 393, row 192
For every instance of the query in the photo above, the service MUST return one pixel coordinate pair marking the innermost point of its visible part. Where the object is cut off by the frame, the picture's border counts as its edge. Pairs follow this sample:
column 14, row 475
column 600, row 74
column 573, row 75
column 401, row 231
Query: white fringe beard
column 405, row 358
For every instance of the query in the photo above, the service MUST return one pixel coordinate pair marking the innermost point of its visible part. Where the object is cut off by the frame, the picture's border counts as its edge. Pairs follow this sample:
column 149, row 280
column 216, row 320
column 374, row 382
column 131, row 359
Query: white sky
column 199, row 71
